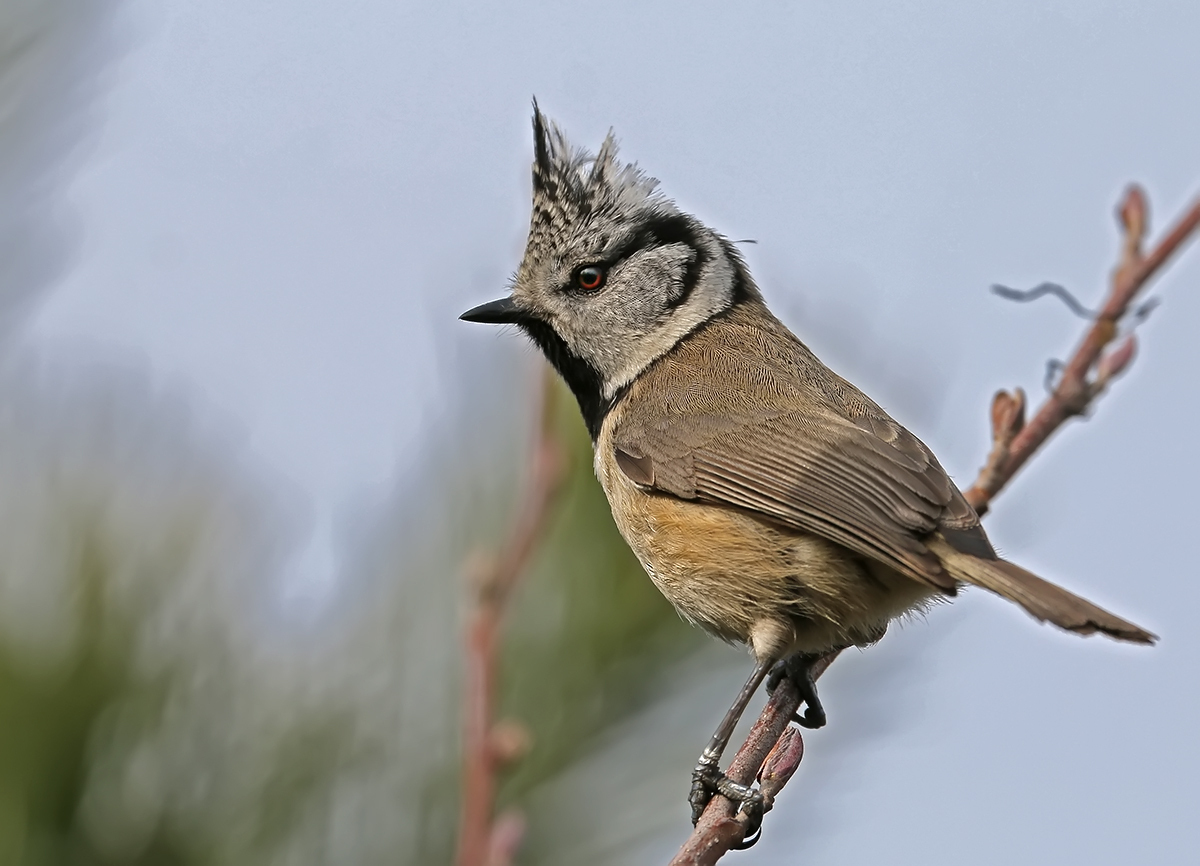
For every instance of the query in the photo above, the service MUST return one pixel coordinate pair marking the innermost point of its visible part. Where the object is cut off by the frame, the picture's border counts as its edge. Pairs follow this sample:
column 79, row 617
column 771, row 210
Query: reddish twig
column 507, row 832
column 1089, row 371
column 488, row 744
column 719, row 829
column 1084, row 378
column 781, row 765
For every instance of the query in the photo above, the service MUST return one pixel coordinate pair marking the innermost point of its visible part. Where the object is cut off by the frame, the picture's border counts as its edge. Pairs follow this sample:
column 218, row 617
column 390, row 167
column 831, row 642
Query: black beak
column 501, row 312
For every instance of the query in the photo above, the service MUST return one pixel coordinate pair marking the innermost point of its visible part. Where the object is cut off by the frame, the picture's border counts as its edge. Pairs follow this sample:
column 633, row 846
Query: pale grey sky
column 284, row 206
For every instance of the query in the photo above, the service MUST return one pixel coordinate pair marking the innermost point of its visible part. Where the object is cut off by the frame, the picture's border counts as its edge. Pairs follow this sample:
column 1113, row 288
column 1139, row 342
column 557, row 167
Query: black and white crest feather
column 571, row 185
column 664, row 272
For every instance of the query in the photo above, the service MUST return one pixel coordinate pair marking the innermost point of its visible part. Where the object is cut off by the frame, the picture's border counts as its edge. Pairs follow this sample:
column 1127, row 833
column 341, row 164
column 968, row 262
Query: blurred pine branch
column 589, row 636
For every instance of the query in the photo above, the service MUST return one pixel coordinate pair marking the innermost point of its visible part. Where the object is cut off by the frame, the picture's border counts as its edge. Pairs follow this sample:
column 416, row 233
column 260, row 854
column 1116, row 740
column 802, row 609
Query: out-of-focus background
column 246, row 448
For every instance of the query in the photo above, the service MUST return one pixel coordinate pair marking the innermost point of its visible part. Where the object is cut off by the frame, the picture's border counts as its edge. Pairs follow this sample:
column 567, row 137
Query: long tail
column 1041, row 598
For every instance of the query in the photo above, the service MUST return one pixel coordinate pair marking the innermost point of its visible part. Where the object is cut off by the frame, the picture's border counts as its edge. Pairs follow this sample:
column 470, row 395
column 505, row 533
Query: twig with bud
column 773, row 749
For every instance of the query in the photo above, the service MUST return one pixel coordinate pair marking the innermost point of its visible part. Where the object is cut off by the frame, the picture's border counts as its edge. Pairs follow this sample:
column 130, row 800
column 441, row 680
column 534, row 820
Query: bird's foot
column 798, row 669
column 708, row 780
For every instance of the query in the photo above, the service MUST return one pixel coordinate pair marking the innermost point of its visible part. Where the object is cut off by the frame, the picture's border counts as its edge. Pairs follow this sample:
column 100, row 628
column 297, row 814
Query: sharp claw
column 707, row 781
column 814, row 717
column 799, row 670
column 753, row 830
column 753, row 809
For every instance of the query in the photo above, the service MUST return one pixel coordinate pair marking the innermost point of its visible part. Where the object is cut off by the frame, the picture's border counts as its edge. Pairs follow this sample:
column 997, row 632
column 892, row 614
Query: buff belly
column 746, row 580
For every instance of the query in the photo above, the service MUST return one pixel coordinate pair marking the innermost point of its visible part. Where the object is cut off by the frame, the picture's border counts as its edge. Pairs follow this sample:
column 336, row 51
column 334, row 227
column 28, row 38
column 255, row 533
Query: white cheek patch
column 712, row 295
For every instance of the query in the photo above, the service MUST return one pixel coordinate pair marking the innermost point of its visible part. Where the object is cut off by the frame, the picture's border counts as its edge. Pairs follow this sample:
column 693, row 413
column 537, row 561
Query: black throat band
column 582, row 378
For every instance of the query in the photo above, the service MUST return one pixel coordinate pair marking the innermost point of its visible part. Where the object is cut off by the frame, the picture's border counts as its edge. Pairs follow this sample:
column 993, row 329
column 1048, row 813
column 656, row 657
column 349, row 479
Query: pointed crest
column 570, row 184
column 541, row 148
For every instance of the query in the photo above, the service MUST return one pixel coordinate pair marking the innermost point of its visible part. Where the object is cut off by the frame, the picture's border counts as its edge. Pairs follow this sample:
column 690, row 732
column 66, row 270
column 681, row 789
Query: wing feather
column 814, row 455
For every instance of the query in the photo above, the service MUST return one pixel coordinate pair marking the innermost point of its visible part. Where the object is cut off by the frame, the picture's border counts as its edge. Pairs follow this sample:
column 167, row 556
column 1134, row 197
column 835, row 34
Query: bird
column 771, row 501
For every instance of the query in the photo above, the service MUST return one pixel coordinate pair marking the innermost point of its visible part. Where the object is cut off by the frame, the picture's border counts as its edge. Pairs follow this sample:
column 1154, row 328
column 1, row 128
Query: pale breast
column 742, row 578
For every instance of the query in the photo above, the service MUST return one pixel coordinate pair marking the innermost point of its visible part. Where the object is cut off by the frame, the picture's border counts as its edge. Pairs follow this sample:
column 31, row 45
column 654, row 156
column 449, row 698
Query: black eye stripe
column 662, row 232
column 658, row 232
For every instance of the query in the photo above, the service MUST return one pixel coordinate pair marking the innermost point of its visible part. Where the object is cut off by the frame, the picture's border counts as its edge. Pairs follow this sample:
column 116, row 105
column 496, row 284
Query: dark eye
column 590, row 278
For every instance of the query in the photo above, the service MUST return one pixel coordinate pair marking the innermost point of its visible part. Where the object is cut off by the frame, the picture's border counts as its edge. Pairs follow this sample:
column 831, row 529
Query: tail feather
column 1041, row 598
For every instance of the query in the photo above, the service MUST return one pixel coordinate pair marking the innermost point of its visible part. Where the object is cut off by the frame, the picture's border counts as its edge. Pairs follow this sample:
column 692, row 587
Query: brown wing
column 797, row 445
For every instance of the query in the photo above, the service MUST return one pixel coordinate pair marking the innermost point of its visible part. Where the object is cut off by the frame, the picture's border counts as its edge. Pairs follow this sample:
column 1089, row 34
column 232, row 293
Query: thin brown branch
column 488, row 744
column 1014, row 441
column 507, row 832
column 1008, row 419
column 1088, row 372
column 718, row 829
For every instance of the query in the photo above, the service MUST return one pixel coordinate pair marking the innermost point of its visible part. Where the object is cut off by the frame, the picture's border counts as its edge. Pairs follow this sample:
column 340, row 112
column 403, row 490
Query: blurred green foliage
column 160, row 702
column 49, row 711
column 157, row 706
column 589, row 637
